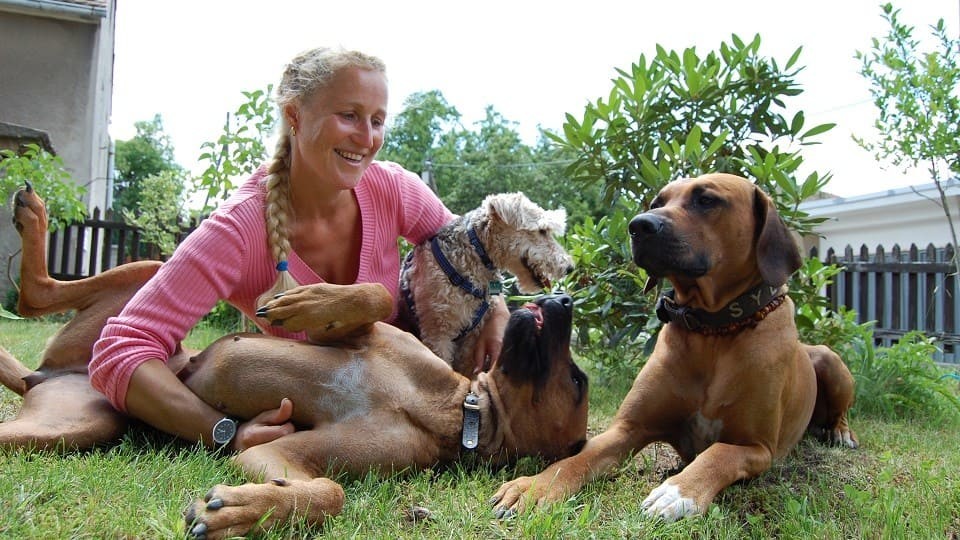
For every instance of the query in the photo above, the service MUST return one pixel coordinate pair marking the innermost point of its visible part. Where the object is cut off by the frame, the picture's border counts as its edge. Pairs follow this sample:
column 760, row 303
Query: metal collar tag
column 471, row 421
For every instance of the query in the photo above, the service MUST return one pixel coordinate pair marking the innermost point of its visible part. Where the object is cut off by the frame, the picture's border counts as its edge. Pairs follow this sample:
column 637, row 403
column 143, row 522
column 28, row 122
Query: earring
column 293, row 131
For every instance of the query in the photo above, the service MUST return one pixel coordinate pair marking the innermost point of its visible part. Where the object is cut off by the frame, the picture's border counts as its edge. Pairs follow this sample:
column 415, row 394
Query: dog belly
column 244, row 375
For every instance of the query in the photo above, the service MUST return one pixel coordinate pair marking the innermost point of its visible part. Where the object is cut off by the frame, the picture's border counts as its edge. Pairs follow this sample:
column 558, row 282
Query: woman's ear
column 292, row 114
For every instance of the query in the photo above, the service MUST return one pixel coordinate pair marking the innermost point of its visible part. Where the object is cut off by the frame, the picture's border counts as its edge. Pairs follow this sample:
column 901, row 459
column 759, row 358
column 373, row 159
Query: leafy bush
column 612, row 314
column 47, row 174
column 160, row 209
column 225, row 317
column 239, row 149
column 903, row 381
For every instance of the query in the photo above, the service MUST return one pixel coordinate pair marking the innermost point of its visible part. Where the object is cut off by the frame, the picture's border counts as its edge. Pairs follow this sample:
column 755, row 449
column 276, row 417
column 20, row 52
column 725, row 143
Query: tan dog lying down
column 366, row 396
column 728, row 384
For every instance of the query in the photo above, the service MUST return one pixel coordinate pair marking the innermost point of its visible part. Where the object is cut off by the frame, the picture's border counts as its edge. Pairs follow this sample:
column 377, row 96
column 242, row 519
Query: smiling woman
column 321, row 210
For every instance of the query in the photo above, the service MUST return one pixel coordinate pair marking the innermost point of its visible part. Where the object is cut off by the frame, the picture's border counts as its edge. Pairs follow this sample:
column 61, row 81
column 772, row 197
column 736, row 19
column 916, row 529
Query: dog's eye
column 544, row 232
column 657, row 203
column 707, row 201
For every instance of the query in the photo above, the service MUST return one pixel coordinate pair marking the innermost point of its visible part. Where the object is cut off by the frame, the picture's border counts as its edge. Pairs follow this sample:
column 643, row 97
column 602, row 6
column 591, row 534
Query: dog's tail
column 12, row 372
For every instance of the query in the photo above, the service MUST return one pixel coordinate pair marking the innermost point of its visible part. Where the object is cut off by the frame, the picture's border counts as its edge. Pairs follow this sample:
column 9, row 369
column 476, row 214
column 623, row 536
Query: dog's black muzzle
column 537, row 337
column 660, row 251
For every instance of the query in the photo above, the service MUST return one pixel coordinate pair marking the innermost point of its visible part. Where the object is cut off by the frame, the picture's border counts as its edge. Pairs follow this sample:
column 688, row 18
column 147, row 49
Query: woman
column 321, row 210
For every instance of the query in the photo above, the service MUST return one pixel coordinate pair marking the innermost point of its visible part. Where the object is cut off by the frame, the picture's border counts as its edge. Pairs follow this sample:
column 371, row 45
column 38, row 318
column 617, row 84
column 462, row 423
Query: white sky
column 532, row 60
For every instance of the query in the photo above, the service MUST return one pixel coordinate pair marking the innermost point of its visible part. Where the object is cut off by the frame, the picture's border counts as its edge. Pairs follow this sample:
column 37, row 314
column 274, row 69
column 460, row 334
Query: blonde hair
column 308, row 73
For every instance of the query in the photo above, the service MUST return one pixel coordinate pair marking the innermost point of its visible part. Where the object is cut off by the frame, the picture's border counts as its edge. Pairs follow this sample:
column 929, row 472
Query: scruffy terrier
column 450, row 283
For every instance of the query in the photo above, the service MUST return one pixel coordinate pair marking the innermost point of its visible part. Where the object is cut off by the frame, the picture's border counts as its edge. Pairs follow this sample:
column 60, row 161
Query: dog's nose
column 645, row 224
column 568, row 269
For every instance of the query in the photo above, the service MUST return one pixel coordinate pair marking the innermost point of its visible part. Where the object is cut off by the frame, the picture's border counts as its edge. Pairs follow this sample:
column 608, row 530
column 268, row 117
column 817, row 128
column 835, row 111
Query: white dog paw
column 667, row 503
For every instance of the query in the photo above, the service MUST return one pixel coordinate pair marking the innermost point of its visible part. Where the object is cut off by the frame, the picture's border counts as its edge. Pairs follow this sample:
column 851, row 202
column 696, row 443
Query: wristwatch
column 224, row 431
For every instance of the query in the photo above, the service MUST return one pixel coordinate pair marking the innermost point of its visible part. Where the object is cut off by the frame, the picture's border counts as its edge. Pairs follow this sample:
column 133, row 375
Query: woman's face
column 340, row 128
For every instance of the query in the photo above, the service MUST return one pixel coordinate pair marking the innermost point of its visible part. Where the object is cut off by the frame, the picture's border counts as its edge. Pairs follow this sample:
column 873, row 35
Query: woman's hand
column 265, row 427
column 490, row 341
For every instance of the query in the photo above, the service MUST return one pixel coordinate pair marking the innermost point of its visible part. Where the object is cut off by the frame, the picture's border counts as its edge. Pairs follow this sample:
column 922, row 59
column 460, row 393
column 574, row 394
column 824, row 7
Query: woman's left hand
column 265, row 427
column 490, row 341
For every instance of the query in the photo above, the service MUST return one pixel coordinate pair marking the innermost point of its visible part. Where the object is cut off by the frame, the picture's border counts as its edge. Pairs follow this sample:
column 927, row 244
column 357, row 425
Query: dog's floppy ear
column 777, row 253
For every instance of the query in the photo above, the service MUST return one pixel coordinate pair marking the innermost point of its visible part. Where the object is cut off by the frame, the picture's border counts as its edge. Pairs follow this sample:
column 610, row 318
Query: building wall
column 56, row 76
column 58, row 79
column 902, row 216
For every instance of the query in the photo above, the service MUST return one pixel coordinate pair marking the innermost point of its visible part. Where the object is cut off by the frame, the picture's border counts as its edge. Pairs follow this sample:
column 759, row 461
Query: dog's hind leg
column 63, row 412
column 95, row 298
column 835, row 393
column 12, row 373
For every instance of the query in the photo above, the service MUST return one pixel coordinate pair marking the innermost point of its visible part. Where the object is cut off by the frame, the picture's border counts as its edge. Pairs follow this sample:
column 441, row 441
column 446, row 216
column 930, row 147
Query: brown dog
column 366, row 395
column 728, row 384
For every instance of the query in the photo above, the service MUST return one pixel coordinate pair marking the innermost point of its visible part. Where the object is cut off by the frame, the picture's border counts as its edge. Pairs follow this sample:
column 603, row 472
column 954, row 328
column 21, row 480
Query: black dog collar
column 745, row 311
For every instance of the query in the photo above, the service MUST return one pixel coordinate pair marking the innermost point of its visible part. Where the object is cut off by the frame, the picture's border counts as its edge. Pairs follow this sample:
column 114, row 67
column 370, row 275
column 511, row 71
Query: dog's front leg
column 329, row 312
column 564, row 478
column 228, row 511
column 290, row 492
column 691, row 491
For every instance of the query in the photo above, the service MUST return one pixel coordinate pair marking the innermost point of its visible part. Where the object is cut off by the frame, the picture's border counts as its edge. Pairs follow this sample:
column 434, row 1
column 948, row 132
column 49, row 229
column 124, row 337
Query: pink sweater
column 227, row 258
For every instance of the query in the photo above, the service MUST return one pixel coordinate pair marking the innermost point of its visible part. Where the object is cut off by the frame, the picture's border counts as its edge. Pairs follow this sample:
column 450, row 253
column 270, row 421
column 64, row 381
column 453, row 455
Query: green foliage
column 902, row 381
column 469, row 165
column 148, row 154
column 160, row 210
column 225, row 318
column 47, row 174
column 682, row 115
column 415, row 132
column 917, row 94
column 4, row 314
column 806, row 290
column 609, row 324
column 240, row 149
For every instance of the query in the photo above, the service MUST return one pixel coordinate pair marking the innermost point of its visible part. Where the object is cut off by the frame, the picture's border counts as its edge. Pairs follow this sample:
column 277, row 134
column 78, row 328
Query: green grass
column 904, row 482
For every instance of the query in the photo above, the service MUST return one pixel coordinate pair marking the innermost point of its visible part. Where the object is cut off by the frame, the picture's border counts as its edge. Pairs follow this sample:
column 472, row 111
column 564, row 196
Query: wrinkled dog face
column 543, row 388
column 524, row 238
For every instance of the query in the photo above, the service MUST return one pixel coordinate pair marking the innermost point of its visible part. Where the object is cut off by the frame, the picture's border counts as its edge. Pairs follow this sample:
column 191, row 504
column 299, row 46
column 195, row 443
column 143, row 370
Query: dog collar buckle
column 669, row 311
column 471, row 421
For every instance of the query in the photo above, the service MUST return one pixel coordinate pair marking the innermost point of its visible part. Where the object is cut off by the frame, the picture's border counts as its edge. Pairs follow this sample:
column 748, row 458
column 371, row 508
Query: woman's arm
column 156, row 396
column 490, row 342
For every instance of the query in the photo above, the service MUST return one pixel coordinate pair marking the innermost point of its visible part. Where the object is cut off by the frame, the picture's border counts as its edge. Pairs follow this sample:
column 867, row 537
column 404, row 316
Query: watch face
column 224, row 430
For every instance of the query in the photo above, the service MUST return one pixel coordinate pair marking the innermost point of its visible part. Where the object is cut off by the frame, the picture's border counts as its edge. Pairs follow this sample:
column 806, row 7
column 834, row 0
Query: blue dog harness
column 456, row 278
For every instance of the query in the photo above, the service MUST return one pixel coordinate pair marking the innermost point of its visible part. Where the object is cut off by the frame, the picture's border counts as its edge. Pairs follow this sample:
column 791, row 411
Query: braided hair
column 308, row 73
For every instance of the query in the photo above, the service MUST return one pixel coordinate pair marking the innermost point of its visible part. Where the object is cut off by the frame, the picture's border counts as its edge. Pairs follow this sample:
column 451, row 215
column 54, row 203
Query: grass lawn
column 904, row 482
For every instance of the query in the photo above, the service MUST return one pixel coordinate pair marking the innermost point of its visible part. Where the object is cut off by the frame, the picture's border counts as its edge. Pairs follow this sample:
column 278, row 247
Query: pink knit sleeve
column 205, row 268
column 422, row 212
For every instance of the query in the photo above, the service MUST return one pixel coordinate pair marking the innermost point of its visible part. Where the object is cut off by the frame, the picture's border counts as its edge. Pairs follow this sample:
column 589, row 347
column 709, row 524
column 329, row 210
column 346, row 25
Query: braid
column 308, row 73
column 277, row 213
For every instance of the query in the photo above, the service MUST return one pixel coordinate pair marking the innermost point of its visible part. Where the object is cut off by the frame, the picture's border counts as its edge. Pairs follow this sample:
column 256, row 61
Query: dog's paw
column 843, row 437
column 29, row 212
column 227, row 511
column 528, row 492
column 513, row 497
column 666, row 502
